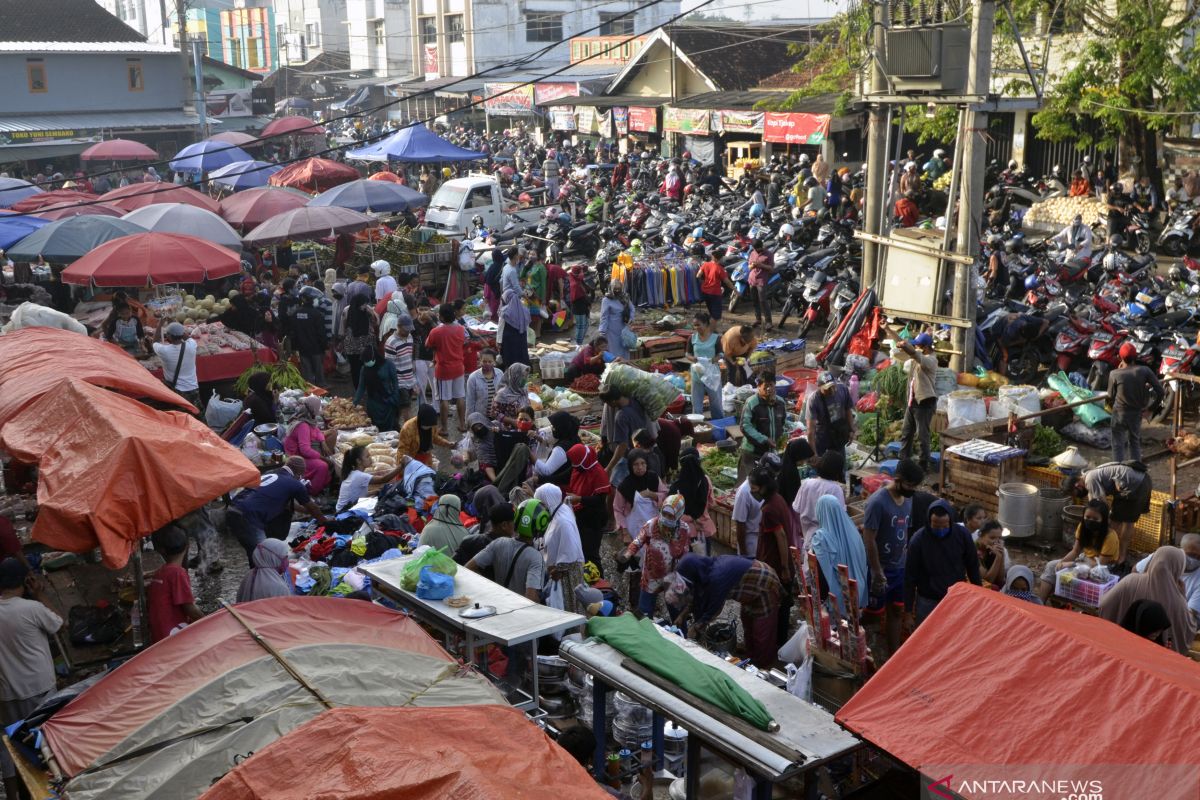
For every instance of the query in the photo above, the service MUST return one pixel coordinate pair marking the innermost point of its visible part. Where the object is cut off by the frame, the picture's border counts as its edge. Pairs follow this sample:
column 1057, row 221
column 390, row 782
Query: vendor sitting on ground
column 125, row 330
column 1093, row 539
column 445, row 531
column 993, row 557
column 590, row 359
column 419, row 434
column 357, row 480
column 306, row 440
column 1189, row 543
column 1019, row 583
column 556, row 467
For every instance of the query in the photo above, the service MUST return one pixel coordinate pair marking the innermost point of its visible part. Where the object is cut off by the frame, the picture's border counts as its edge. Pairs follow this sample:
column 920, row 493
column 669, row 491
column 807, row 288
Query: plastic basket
column 552, row 368
column 1153, row 528
column 1080, row 591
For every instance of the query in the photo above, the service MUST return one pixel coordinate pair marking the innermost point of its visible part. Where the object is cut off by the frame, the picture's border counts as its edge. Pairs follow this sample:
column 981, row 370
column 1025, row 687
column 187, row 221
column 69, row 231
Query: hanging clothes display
column 660, row 284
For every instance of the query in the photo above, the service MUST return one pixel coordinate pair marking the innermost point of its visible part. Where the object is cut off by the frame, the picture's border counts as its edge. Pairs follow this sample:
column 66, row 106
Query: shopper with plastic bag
column 704, row 351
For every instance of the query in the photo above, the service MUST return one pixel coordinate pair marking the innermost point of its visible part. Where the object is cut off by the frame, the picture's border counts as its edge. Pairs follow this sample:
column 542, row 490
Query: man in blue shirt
column 885, row 535
column 253, row 510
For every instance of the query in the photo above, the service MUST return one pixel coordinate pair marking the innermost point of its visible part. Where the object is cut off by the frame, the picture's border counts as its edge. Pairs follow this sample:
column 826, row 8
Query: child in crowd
column 169, row 600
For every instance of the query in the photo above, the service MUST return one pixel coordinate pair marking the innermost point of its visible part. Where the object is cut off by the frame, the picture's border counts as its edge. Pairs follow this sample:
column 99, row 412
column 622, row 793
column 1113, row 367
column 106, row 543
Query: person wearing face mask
column 885, row 535
column 1189, row 543
column 763, row 424
column 616, row 312
column 939, row 556
column 1075, row 239
column 1130, row 486
column 1093, row 539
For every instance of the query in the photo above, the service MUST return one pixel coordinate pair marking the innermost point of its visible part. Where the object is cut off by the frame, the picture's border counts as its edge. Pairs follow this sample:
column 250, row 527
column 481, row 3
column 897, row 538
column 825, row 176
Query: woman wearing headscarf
column 306, row 439
column 1019, row 583
column 662, row 541
column 266, row 578
column 696, row 489
column 795, row 455
column 511, row 397
column 563, row 548
column 837, row 541
column 260, row 400
column 555, row 468
column 616, row 312
column 394, row 310
column 826, row 483
column 361, row 332
column 445, row 531
column 1147, row 619
column 1162, row 583
column 587, row 491
column 638, row 496
column 514, row 322
column 378, row 386
column 419, row 434
column 706, row 584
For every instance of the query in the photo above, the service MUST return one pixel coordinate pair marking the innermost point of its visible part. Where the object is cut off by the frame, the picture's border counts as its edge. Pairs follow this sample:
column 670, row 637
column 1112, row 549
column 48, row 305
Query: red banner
column 795, row 128
column 431, row 61
column 545, row 92
column 643, row 119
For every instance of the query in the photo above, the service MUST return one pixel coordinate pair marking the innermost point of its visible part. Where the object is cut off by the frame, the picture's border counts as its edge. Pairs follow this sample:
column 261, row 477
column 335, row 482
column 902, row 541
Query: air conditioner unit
column 928, row 59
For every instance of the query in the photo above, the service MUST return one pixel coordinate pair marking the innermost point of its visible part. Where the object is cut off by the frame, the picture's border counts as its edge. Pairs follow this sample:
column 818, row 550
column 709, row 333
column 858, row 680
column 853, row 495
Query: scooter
column 1177, row 237
column 1181, row 357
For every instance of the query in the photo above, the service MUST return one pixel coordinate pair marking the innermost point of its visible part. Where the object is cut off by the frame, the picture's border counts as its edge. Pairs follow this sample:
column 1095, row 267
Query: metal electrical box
column 910, row 281
column 928, row 59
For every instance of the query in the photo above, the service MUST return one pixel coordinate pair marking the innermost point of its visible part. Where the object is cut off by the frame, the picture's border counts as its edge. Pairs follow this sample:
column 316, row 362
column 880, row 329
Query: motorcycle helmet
column 532, row 519
column 1011, row 246
column 787, row 229
column 1012, row 164
column 477, row 221
column 606, row 233
column 1117, row 241
column 1032, row 282
column 590, row 194
column 1175, row 274
column 698, row 232
column 381, row 268
column 810, row 182
column 652, row 200
column 525, row 197
column 551, row 215
column 995, row 241
column 804, row 159
column 756, row 210
column 638, row 197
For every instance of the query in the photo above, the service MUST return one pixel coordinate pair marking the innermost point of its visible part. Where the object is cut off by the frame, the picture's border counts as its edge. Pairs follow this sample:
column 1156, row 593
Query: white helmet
column 786, row 229
column 551, row 214
column 939, row 152
column 381, row 268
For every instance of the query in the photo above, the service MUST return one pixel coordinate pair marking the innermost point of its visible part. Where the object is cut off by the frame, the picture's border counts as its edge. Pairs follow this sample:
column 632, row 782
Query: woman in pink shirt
column 306, row 439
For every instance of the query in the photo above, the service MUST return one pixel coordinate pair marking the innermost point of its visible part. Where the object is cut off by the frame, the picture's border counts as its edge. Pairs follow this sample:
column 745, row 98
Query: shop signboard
column 229, row 103
column 508, row 99
column 643, row 119
column 585, row 119
column 685, row 120
column 431, row 62
column 783, row 128
column 604, row 124
column 738, row 121
column 562, row 118
column 545, row 92
column 620, row 117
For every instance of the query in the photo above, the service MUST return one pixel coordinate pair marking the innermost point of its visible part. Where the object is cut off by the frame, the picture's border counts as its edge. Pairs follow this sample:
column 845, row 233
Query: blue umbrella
column 244, row 174
column 15, row 228
column 14, row 190
column 367, row 195
column 72, row 238
column 206, row 156
column 416, row 144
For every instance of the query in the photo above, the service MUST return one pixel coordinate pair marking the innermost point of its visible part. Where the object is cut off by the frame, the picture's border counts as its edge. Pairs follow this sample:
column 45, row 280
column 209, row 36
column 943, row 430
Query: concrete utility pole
column 201, row 106
column 973, row 155
column 876, row 149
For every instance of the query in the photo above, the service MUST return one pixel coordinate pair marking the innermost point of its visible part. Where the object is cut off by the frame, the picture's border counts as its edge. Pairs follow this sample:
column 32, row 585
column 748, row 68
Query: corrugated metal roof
column 608, row 101
column 85, row 47
column 113, row 119
column 731, row 101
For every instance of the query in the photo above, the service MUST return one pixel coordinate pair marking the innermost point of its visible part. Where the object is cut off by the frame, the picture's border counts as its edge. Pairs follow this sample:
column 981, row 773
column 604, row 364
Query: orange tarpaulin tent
column 113, row 470
column 996, row 698
column 465, row 752
column 33, row 360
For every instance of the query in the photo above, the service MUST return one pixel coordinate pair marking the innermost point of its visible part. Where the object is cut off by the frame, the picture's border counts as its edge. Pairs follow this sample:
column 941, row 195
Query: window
column 543, row 26
column 133, row 68
column 427, row 29
column 235, row 51
column 253, row 58
column 312, row 34
column 35, row 71
column 379, row 37
column 454, row 29
column 480, row 198
column 611, row 26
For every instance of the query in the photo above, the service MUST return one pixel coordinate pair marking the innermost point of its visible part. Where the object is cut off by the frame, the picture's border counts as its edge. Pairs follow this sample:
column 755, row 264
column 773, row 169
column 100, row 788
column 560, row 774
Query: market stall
column 517, row 619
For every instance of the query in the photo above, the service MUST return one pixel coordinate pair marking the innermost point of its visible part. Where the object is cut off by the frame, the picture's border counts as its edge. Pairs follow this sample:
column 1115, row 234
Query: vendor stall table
column 807, row 737
column 228, row 365
column 518, row 620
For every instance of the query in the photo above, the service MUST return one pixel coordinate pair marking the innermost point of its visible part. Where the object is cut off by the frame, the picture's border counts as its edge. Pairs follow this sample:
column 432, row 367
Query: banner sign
column 229, row 103
column 604, row 124
column 508, row 99
column 685, row 120
column 431, row 62
column 643, row 119
column 620, row 116
column 562, row 118
column 585, row 118
column 795, row 128
column 738, row 121
column 545, row 92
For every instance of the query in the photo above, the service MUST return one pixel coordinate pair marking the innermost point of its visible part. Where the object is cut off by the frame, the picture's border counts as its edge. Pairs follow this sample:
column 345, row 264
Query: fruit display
column 284, row 375
column 197, row 310
column 587, row 382
column 1058, row 212
column 342, row 414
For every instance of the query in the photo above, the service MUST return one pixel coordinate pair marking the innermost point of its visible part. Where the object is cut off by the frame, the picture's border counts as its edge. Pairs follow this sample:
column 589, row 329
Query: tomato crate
column 1084, row 592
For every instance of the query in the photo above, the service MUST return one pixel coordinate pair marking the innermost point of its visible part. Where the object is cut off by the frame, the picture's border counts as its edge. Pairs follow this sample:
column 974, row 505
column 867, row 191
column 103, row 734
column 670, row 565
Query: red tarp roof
column 33, row 360
column 112, row 470
column 991, row 688
column 465, row 753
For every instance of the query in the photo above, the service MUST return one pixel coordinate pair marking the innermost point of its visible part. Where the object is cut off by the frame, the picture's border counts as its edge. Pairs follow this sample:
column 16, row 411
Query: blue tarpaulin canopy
column 15, row 228
column 415, row 144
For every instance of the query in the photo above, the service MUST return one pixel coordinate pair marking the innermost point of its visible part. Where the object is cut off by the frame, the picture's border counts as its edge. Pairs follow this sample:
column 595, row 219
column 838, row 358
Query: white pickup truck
column 458, row 200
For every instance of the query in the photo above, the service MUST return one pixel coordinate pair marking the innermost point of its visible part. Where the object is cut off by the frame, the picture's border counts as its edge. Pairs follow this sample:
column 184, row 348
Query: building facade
column 307, row 28
column 153, row 19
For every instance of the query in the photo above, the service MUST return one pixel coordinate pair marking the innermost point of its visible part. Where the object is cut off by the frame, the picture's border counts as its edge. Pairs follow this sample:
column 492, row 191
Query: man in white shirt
column 385, row 284
column 747, row 518
column 178, row 356
column 1189, row 543
column 26, row 666
column 1076, row 239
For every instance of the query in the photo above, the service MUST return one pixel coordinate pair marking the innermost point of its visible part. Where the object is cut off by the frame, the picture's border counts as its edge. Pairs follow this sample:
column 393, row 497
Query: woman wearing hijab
column 587, row 491
column 241, row 316
column 377, row 384
column 445, row 531
column 706, row 584
column 616, row 312
column 555, row 468
column 563, row 547
column 795, row 455
column 514, row 322
column 1019, row 583
column 266, row 578
column 1147, row 619
column 394, row 310
column 419, row 434
column 1162, row 583
column 306, row 439
column 837, row 541
column 662, row 541
column 826, row 483
column 361, row 332
column 260, row 400
column 639, row 495
column 696, row 489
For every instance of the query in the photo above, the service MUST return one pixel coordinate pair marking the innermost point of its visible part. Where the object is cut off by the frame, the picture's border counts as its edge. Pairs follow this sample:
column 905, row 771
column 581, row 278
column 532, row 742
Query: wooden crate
column 665, row 347
column 722, row 517
column 792, row 359
column 965, row 481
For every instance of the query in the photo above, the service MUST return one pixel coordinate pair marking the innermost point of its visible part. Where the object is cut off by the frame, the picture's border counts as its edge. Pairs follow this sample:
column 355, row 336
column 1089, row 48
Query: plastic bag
column 1092, row 414
column 435, row 559
column 554, row 595
column 707, row 373
column 799, row 680
column 867, row 402
column 220, row 412
column 433, row 585
column 795, row 649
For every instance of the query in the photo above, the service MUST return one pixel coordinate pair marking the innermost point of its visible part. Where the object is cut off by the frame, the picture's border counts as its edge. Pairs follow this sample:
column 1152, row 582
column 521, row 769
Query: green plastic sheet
column 642, row 642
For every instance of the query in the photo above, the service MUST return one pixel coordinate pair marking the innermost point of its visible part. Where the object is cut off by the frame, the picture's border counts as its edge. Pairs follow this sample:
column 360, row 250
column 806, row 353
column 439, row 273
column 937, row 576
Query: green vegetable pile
column 716, row 460
column 1046, row 442
column 284, row 375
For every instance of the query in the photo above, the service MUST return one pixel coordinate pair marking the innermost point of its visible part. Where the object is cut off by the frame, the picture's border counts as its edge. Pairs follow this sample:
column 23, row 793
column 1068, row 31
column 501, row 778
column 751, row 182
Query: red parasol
column 58, row 197
column 390, row 177
column 154, row 258
column 314, row 175
column 310, row 222
column 71, row 210
column 118, row 150
column 296, row 125
column 235, row 138
column 255, row 206
column 138, row 195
